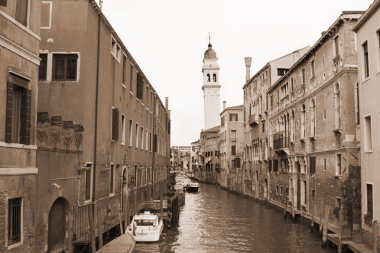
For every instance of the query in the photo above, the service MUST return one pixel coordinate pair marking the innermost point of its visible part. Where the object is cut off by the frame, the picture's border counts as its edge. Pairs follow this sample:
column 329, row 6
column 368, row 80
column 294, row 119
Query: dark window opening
column 115, row 124
column 65, row 67
column 14, row 220
column 42, row 71
column 21, row 14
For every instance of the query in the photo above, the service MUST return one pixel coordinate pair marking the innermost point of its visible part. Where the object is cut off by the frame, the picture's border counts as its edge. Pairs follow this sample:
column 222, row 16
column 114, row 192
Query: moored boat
column 146, row 227
column 192, row 187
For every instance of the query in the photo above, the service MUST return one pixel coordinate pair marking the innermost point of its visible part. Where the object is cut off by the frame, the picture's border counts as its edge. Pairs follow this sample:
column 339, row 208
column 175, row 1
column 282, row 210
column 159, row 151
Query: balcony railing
column 280, row 141
column 253, row 120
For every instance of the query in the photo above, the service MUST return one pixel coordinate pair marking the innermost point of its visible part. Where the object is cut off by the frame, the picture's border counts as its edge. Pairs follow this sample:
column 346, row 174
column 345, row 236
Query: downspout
column 93, row 244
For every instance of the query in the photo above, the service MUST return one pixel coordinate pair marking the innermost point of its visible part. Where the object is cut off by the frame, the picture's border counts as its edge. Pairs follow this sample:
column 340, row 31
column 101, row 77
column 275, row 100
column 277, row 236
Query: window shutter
column 155, row 143
column 8, row 117
column 237, row 162
column 26, row 111
column 115, row 124
column 3, row 2
column 312, row 165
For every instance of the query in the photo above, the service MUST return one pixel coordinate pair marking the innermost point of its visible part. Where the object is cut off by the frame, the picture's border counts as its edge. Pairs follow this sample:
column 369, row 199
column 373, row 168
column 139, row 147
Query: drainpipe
column 93, row 236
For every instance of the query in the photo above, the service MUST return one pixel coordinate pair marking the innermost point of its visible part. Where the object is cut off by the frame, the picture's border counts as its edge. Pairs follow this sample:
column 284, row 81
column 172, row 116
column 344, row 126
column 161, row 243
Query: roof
column 368, row 13
column 321, row 41
column 213, row 129
column 237, row 107
column 210, row 53
column 269, row 63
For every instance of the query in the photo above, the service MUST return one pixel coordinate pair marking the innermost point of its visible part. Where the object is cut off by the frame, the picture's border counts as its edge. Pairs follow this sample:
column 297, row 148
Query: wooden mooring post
column 340, row 225
column 325, row 225
column 375, row 233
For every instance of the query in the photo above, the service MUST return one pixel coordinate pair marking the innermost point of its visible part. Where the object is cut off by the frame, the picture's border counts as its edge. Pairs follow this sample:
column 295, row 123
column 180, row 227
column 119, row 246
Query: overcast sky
column 168, row 38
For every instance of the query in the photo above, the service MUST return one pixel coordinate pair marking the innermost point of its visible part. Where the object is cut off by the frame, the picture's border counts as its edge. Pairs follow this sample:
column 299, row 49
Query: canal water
column 215, row 220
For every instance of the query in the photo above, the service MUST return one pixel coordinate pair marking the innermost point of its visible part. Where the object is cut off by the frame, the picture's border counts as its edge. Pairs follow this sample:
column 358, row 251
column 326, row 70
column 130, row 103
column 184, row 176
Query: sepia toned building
column 103, row 131
column 231, row 147
column 312, row 127
column 180, row 157
column 19, row 60
column 368, row 53
column 194, row 156
column 256, row 177
column 208, row 163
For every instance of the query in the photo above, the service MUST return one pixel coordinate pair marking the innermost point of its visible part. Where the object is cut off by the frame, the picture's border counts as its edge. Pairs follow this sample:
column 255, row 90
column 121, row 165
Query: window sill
column 368, row 151
column 17, row 145
column 15, row 245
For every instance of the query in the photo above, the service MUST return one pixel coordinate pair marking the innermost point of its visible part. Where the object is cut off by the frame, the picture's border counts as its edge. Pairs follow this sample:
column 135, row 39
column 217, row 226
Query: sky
column 168, row 38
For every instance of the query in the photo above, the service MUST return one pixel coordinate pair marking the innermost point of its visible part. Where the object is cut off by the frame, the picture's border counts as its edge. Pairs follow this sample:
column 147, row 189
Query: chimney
column 224, row 105
column 247, row 61
column 166, row 103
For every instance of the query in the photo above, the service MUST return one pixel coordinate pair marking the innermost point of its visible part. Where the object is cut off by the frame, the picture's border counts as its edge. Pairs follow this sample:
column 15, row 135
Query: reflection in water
column 215, row 220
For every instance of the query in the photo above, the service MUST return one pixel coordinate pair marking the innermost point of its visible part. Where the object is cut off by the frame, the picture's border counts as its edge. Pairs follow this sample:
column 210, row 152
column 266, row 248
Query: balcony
column 253, row 120
column 281, row 143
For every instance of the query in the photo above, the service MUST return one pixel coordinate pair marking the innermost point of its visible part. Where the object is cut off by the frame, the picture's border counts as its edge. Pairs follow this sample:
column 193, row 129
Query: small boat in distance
column 146, row 227
column 192, row 187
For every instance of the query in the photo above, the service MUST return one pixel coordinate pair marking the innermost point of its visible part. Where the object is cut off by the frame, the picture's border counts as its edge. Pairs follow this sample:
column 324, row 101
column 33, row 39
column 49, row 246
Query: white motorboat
column 192, row 187
column 146, row 227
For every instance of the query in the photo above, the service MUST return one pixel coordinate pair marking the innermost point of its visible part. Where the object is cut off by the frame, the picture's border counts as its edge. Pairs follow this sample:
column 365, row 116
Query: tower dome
column 210, row 53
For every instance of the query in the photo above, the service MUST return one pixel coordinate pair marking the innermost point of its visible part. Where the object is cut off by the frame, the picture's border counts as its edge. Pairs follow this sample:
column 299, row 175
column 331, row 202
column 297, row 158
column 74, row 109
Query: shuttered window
column 115, row 124
column 18, row 112
column 21, row 14
column 139, row 86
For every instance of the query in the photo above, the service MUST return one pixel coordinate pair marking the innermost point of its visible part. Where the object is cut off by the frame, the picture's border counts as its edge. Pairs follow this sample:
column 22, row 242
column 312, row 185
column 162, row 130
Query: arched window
column 312, row 118
column 208, row 78
column 303, row 113
column 337, row 106
column 214, row 77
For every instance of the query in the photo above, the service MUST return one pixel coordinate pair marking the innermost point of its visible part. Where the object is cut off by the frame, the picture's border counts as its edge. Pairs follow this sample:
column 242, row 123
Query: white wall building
column 368, row 50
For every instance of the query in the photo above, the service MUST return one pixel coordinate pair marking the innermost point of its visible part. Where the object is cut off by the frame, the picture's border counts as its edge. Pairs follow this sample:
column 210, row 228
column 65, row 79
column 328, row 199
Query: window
column 233, row 135
column 18, row 112
column 137, row 135
column 336, row 46
column 214, row 77
column 233, row 117
column 65, row 67
column 337, row 106
column 115, row 49
column 208, row 77
column 122, row 129
column 281, row 71
column 150, row 141
column 14, row 220
column 115, row 124
column 88, row 181
column 42, row 71
column 146, row 140
column 303, row 112
column 21, row 14
column 312, row 69
column 131, row 78
column 130, row 132
column 324, row 164
column 142, row 137
column 378, row 50
column 313, row 164
column 369, row 199
column 368, row 133
column 303, row 76
column 222, row 121
column 233, row 150
column 3, row 2
column 292, row 127
column 139, row 86
column 123, row 75
column 338, row 169
column 112, row 179
column 365, row 59
column 312, row 118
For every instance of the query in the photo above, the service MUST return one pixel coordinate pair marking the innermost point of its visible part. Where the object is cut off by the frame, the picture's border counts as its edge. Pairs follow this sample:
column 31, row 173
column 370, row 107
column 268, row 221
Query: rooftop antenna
column 209, row 38
column 101, row 4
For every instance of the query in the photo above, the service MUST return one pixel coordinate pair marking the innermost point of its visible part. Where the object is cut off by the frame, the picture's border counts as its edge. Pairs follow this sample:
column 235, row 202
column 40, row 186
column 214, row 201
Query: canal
column 215, row 220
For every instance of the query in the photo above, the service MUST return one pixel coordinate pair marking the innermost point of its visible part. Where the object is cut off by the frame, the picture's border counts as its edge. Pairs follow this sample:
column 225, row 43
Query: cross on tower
column 209, row 38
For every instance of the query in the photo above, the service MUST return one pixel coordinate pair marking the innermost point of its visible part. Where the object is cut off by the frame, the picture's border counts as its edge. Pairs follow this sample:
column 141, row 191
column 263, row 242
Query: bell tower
column 211, row 88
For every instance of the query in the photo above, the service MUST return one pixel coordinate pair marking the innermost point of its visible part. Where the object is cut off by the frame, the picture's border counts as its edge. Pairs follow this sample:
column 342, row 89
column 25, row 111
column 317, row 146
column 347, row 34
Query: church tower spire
column 211, row 87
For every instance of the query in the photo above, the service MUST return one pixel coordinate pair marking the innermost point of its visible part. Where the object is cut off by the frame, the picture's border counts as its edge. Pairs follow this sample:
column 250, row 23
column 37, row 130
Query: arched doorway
column 57, row 226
